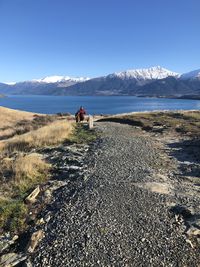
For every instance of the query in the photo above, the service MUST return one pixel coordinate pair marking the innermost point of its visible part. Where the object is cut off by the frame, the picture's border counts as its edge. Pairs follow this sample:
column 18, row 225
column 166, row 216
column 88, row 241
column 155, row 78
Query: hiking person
column 80, row 114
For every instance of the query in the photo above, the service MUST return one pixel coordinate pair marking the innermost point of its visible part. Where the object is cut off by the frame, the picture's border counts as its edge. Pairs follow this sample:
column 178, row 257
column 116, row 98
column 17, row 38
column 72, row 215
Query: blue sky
column 96, row 37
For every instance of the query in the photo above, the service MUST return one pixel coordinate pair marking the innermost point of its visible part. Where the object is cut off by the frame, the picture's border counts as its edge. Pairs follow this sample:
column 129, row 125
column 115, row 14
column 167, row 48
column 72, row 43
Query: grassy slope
column 8, row 117
column 20, row 169
column 185, row 122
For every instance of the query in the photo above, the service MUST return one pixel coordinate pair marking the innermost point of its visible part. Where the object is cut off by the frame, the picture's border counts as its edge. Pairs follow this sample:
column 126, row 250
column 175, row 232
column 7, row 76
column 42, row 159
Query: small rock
column 35, row 239
column 32, row 197
column 47, row 194
column 15, row 237
column 40, row 221
column 47, row 218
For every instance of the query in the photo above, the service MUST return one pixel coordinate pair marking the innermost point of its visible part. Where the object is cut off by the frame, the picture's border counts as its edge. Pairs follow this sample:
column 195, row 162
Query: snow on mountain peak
column 191, row 75
column 10, row 83
column 56, row 79
column 145, row 74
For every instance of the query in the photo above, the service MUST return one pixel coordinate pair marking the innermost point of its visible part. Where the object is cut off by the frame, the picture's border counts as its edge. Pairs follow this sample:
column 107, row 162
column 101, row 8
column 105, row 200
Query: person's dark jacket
column 81, row 113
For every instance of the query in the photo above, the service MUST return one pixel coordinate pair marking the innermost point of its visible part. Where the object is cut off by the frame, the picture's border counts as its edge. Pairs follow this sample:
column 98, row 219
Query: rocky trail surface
column 119, row 207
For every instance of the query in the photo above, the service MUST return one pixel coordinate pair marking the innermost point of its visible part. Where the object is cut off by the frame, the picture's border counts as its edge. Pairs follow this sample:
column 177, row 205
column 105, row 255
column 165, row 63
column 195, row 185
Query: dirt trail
column 118, row 212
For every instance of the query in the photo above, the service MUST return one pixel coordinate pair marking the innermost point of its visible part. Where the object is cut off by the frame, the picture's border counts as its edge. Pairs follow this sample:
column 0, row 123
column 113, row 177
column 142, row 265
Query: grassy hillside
column 9, row 121
column 185, row 123
column 9, row 116
column 21, row 166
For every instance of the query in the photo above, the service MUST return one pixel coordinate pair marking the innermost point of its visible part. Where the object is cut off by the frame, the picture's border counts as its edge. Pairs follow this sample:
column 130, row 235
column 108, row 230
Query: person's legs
column 81, row 117
column 77, row 118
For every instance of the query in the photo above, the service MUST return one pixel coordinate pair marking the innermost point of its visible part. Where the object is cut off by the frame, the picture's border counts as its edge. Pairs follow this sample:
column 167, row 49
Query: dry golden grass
column 195, row 115
column 20, row 172
column 29, row 170
column 9, row 120
column 9, row 117
column 28, row 166
column 26, row 171
column 51, row 134
column 180, row 122
column 7, row 132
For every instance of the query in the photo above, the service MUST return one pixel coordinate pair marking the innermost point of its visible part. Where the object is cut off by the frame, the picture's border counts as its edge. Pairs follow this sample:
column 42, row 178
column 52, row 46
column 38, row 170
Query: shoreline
column 186, row 97
column 105, row 115
column 153, row 111
column 97, row 117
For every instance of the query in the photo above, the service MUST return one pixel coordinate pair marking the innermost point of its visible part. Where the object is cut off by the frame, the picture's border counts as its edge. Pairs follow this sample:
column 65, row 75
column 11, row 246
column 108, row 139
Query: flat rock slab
column 11, row 259
column 107, row 220
column 32, row 197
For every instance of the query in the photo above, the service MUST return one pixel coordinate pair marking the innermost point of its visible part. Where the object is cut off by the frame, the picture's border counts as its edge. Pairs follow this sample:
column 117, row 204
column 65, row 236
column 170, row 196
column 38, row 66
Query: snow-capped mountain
column 153, row 73
column 57, row 79
column 191, row 75
column 127, row 82
column 154, row 81
column 44, row 86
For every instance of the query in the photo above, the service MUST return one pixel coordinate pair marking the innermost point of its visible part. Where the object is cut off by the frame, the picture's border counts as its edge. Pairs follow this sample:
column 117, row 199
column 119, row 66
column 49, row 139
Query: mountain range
column 154, row 81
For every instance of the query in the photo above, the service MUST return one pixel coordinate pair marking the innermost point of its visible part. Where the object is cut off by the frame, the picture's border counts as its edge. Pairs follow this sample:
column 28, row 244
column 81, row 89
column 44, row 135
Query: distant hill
column 155, row 81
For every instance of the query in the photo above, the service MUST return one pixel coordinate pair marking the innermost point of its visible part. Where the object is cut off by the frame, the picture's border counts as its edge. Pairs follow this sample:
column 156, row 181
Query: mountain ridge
column 153, row 81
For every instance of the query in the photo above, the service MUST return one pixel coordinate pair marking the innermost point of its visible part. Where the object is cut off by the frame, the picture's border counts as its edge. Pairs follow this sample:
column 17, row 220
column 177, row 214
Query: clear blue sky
column 96, row 37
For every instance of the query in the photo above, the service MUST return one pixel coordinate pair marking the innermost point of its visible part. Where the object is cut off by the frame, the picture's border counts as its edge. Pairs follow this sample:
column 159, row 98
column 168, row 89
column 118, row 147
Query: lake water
column 95, row 104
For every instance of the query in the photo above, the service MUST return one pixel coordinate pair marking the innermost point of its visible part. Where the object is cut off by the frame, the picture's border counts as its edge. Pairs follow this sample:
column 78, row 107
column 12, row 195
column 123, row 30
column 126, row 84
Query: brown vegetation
column 9, row 117
column 21, row 169
column 8, row 120
column 18, row 122
column 51, row 134
column 183, row 122
column 18, row 176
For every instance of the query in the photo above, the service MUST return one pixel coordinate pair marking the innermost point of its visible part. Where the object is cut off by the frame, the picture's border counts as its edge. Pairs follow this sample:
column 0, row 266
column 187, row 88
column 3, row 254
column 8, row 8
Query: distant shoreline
column 101, row 105
column 146, row 112
column 185, row 97
column 97, row 116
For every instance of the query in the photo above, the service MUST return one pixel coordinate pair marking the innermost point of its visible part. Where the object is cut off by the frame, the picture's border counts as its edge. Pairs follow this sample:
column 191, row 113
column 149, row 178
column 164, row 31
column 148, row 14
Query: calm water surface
column 95, row 104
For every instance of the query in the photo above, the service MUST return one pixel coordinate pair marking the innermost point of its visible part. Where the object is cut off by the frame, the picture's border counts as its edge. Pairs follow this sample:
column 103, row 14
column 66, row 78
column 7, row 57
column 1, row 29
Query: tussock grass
column 22, row 173
column 194, row 115
column 21, row 126
column 13, row 122
column 7, row 132
column 28, row 171
column 21, row 170
column 9, row 117
column 25, row 172
column 51, row 134
column 183, row 122
column 8, row 120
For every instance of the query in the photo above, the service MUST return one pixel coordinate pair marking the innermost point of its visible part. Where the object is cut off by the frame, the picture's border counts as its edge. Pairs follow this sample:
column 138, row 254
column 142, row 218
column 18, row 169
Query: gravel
column 102, row 218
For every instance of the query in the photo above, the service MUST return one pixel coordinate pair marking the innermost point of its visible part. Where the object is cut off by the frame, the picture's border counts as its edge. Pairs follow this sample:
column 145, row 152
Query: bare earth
column 129, row 206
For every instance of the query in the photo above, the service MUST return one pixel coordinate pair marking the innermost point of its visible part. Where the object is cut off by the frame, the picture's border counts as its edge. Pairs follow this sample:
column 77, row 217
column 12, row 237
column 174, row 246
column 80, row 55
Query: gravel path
column 107, row 217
